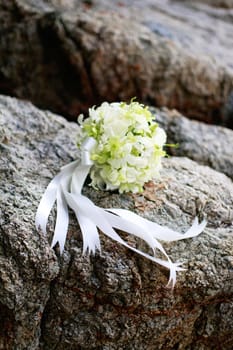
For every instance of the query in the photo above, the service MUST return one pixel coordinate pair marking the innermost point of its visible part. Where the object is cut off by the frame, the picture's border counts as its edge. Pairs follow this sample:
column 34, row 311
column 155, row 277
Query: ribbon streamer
column 65, row 189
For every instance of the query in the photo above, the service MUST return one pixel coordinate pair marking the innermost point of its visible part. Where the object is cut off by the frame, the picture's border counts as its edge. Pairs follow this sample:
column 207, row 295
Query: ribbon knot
column 86, row 148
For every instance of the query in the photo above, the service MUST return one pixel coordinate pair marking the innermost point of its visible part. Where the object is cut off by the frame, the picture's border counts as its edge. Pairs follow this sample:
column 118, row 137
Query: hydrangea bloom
column 129, row 146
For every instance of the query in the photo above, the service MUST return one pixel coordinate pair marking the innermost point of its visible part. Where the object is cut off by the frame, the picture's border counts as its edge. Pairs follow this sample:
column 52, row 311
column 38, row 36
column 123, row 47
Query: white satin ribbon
column 66, row 188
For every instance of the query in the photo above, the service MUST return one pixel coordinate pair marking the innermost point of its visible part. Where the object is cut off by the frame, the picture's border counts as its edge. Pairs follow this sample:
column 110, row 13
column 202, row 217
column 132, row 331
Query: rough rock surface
column 68, row 55
column 193, row 25
column 114, row 300
column 216, row 3
column 207, row 144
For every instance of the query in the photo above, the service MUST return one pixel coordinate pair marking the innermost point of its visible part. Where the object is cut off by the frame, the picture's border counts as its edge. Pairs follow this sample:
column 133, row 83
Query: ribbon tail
column 91, row 240
column 133, row 229
column 82, row 205
column 132, row 223
column 163, row 233
column 90, row 234
column 195, row 229
column 46, row 204
column 143, row 233
column 62, row 221
column 49, row 197
column 78, row 178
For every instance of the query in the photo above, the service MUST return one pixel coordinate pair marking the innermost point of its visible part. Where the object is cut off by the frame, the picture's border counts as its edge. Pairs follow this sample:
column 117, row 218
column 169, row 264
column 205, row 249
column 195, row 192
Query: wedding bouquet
column 121, row 149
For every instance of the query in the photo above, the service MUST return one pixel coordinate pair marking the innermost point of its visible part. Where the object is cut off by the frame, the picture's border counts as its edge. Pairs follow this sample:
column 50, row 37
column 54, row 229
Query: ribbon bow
column 66, row 189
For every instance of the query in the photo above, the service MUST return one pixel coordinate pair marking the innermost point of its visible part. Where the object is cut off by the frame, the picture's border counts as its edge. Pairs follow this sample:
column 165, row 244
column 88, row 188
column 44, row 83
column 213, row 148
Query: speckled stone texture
column 116, row 299
column 68, row 55
column 207, row 144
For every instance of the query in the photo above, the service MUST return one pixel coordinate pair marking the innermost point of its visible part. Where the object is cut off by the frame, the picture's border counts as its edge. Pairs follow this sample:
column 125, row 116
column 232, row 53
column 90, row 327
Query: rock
column 116, row 299
column 228, row 111
column 82, row 53
column 206, row 144
column 216, row 3
column 201, row 27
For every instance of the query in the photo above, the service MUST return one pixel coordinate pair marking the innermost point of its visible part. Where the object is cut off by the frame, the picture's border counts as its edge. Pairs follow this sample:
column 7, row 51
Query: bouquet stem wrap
column 66, row 190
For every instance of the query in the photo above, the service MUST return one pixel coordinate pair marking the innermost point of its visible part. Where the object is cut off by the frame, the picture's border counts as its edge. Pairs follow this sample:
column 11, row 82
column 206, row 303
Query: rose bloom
column 129, row 146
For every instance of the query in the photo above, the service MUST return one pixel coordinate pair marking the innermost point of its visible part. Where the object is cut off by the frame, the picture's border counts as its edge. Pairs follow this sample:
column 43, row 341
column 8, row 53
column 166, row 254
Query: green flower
column 129, row 146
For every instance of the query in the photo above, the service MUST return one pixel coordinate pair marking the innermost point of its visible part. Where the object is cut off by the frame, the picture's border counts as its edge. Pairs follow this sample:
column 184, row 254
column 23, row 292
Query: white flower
column 129, row 145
